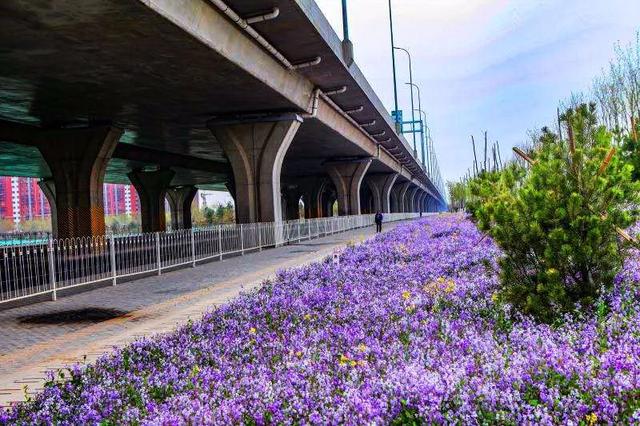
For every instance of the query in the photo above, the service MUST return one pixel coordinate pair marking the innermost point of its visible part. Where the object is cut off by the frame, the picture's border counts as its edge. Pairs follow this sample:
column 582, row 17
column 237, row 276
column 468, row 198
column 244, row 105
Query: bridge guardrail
column 45, row 267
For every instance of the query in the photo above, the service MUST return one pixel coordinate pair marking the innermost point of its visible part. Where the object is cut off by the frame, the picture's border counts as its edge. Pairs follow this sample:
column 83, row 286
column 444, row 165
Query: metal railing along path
column 46, row 266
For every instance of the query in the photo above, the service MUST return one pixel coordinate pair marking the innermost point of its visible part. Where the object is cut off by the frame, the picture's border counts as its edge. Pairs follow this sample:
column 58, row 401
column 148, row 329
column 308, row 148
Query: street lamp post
column 432, row 159
column 345, row 21
column 347, row 46
column 423, row 116
column 412, row 85
column 393, row 65
column 413, row 118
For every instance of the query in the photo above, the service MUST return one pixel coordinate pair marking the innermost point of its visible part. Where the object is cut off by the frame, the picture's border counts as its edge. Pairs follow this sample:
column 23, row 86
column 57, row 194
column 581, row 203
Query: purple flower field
column 403, row 330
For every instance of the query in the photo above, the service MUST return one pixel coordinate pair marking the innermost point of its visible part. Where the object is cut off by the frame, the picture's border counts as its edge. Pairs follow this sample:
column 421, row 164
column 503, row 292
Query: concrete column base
column 412, row 193
column 347, row 177
column 310, row 189
column 401, row 196
column 381, row 186
column 421, row 197
column 256, row 151
column 78, row 160
column 152, row 188
column 394, row 198
column 325, row 195
column 431, row 204
column 180, row 199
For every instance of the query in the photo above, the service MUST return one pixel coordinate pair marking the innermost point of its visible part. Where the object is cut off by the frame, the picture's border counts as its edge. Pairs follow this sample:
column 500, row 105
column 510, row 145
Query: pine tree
column 560, row 220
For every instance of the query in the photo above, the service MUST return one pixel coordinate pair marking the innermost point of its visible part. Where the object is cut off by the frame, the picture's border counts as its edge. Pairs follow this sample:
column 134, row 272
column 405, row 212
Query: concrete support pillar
column 328, row 206
column 421, row 197
column 311, row 189
column 312, row 198
column 347, row 177
column 256, row 151
column 408, row 197
column 402, row 197
column 78, row 160
column 48, row 188
column 292, row 203
column 180, row 199
column 386, row 192
column 412, row 194
column 325, row 196
column 394, row 199
column 152, row 187
column 429, row 203
column 374, row 184
column 383, row 185
column 231, row 188
column 369, row 200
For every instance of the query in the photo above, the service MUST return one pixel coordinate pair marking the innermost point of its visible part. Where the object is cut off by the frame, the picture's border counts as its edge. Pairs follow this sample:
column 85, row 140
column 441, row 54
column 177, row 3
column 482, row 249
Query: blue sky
column 494, row 65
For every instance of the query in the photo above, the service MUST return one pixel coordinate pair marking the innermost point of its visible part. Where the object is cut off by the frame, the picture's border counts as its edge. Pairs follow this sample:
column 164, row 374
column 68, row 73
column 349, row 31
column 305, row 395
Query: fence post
column 241, row 239
column 158, row 253
column 220, row 240
column 193, row 248
column 278, row 233
column 259, row 228
column 299, row 231
column 112, row 253
column 52, row 270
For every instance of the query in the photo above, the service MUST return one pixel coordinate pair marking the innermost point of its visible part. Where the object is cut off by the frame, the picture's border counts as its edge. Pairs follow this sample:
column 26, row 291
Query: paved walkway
column 52, row 335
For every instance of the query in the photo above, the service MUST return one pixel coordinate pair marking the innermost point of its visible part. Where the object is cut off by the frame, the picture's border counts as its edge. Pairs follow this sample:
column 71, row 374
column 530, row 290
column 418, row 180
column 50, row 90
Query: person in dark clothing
column 378, row 219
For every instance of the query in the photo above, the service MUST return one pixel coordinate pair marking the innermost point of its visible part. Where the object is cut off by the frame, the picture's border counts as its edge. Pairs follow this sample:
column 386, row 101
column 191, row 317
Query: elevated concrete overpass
column 253, row 96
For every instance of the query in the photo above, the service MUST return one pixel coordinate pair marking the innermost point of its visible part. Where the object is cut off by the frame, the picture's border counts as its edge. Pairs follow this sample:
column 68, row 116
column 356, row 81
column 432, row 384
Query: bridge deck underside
column 77, row 62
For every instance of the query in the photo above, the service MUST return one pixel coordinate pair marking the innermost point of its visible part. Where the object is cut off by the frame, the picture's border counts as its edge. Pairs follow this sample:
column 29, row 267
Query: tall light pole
column 413, row 118
column 432, row 154
column 345, row 21
column 412, row 85
column 423, row 115
column 347, row 46
column 393, row 65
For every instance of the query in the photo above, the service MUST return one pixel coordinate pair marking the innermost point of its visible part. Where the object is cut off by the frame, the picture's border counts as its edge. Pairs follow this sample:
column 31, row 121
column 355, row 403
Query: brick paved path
column 156, row 304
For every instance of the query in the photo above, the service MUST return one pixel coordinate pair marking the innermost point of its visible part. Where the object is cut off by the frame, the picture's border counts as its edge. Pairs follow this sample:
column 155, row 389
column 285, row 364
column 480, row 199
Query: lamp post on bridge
column 413, row 118
column 423, row 120
column 347, row 46
column 413, row 85
column 393, row 65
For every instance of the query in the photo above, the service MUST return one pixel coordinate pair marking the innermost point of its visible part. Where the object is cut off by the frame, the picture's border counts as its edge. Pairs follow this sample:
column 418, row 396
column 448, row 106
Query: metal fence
column 35, row 267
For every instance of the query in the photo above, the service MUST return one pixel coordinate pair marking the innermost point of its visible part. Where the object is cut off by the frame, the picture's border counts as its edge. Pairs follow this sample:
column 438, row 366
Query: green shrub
column 557, row 219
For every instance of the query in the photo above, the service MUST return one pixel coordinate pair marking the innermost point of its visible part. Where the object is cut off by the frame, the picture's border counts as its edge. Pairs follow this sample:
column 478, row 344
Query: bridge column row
column 77, row 159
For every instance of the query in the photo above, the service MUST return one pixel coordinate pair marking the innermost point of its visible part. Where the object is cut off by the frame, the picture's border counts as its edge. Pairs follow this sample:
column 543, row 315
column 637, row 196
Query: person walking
column 378, row 219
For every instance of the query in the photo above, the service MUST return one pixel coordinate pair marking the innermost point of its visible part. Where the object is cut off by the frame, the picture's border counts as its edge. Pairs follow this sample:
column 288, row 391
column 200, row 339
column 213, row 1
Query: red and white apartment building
column 21, row 199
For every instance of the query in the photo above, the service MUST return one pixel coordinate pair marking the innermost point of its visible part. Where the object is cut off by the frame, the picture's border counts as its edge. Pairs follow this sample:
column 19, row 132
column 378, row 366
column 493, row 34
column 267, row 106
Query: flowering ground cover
column 403, row 330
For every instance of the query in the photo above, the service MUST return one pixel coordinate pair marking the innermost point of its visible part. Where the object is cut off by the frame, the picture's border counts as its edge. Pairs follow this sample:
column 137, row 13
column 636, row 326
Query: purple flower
column 404, row 328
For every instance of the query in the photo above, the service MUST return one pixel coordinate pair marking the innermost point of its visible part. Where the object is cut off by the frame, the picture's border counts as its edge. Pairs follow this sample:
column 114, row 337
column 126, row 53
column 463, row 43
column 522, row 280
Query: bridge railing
column 31, row 268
